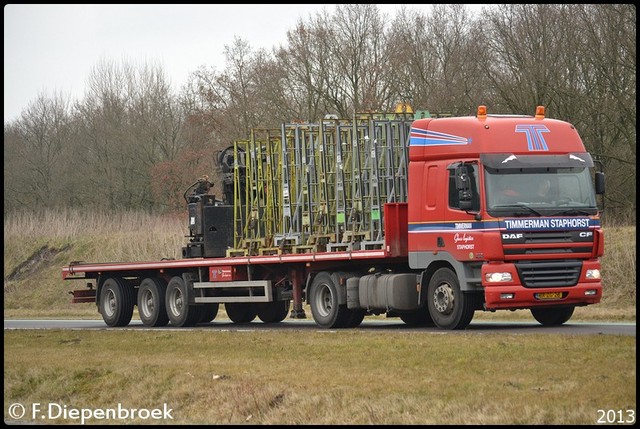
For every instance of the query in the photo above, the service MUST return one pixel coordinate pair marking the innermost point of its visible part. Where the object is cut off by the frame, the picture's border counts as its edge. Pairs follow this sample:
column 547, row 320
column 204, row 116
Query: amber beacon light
column 482, row 112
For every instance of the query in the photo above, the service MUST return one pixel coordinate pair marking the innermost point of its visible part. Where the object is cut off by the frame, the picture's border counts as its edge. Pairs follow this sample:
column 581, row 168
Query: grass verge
column 321, row 377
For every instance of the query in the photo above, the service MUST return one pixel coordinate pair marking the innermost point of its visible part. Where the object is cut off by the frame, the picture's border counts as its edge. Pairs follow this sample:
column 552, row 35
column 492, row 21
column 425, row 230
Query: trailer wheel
column 240, row 312
column 177, row 303
column 552, row 316
column 151, row 302
column 323, row 299
column 273, row 312
column 448, row 306
column 116, row 302
column 208, row 312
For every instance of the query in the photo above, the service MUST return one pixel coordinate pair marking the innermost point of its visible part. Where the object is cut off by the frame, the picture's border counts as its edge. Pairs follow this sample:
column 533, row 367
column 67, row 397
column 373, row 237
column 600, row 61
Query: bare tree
column 307, row 64
column 414, row 68
column 131, row 143
column 37, row 151
column 229, row 98
column 608, row 73
column 359, row 59
column 579, row 61
column 526, row 44
column 131, row 122
column 437, row 59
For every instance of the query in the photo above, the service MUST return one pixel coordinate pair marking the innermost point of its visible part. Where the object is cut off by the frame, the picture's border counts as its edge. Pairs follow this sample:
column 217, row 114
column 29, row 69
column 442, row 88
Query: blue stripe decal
column 453, row 226
column 420, row 137
column 516, row 224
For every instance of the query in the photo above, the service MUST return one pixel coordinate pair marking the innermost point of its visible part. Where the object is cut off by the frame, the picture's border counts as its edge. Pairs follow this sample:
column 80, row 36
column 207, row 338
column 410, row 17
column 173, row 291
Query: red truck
column 428, row 218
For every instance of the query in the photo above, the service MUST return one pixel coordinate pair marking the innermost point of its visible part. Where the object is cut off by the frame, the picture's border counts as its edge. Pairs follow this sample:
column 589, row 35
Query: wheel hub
column 147, row 303
column 443, row 299
column 176, row 302
column 111, row 304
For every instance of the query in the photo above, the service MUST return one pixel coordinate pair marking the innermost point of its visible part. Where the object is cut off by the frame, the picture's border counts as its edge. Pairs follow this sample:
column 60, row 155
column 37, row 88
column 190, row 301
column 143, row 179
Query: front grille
column 549, row 237
column 545, row 250
column 549, row 273
column 560, row 242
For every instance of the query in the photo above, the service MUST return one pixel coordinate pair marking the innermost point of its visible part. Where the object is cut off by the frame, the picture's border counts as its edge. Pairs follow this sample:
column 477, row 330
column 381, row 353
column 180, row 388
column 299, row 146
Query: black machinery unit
column 210, row 228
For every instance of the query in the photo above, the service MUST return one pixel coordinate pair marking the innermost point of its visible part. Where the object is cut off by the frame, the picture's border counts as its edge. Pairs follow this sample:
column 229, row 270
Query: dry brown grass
column 325, row 377
column 129, row 235
column 619, row 266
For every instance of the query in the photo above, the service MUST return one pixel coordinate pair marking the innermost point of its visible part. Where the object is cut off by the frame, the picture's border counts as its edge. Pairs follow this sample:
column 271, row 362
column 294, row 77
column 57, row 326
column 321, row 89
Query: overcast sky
column 52, row 48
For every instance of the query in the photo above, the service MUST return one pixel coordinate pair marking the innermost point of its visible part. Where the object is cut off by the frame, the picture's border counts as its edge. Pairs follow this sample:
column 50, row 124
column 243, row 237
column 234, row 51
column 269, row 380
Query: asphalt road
column 480, row 327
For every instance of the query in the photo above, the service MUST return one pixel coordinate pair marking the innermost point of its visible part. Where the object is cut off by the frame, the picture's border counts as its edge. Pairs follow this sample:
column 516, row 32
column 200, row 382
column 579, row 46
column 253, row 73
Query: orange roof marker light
column 540, row 112
column 482, row 112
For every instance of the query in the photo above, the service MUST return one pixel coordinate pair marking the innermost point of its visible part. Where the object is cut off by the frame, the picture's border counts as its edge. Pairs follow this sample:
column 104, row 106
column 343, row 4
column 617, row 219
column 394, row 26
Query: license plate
column 549, row 295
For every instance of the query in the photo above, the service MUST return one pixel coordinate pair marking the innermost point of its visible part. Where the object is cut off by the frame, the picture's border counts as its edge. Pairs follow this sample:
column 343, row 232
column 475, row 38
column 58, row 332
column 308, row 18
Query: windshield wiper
column 572, row 212
column 522, row 206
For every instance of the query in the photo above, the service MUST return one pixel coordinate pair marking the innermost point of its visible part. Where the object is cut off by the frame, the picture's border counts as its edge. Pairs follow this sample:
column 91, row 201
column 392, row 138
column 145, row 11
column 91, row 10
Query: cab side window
column 454, row 195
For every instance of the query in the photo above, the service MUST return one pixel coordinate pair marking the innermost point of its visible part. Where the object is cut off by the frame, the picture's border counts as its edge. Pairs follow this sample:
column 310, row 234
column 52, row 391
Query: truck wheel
column 323, row 299
column 151, row 305
column 240, row 312
column 356, row 316
column 420, row 317
column 552, row 316
column 208, row 312
column 177, row 303
column 116, row 302
column 273, row 312
column 448, row 306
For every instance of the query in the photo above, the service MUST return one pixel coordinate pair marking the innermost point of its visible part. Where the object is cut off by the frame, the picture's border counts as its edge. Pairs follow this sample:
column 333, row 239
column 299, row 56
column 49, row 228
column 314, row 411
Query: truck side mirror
column 463, row 185
column 599, row 182
column 466, row 204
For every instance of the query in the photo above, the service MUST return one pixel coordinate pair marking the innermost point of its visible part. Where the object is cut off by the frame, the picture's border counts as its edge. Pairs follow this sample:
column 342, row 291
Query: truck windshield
column 540, row 191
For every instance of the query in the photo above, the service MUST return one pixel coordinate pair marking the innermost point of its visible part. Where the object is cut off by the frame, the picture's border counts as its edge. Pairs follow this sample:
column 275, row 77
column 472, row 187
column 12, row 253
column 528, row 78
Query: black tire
column 420, row 317
column 323, row 300
column 448, row 306
column 151, row 302
column 240, row 312
column 208, row 312
column 177, row 304
column 552, row 316
column 356, row 316
column 273, row 312
column 116, row 302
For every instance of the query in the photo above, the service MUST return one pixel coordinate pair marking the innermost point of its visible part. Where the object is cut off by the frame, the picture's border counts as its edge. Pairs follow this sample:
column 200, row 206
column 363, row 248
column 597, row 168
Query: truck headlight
column 497, row 277
column 593, row 274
